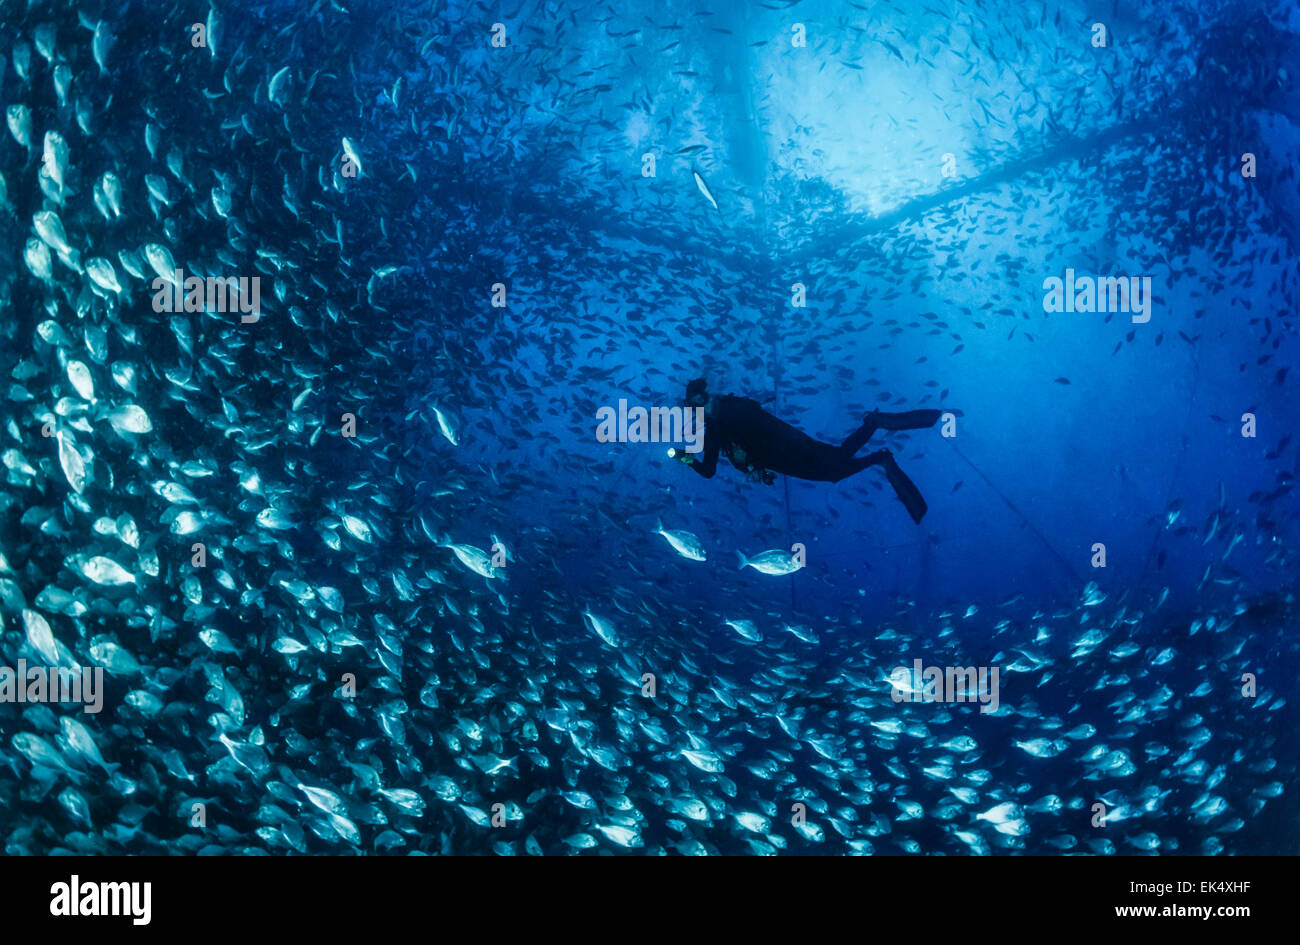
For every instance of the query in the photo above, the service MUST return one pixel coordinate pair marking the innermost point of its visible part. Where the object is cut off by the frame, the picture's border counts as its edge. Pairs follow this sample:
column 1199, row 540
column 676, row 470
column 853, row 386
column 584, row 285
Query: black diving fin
column 905, row 489
column 908, row 420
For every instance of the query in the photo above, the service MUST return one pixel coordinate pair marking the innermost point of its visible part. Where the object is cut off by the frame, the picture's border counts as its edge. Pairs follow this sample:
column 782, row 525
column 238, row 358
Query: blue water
column 889, row 188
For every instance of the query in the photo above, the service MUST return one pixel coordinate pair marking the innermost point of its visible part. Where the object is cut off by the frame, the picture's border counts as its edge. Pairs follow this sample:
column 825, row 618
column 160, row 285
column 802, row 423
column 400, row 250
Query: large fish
column 682, row 542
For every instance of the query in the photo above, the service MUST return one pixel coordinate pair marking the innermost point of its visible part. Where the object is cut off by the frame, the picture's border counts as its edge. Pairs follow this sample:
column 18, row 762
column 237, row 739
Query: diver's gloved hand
column 681, row 456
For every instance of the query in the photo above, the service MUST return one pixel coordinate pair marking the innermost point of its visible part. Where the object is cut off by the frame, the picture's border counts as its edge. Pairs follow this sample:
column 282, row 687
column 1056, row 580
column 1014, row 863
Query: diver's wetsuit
column 740, row 425
column 758, row 444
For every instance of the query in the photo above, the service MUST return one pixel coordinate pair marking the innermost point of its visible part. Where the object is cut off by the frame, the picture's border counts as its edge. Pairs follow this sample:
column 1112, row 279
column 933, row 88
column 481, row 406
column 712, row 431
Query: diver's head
column 697, row 392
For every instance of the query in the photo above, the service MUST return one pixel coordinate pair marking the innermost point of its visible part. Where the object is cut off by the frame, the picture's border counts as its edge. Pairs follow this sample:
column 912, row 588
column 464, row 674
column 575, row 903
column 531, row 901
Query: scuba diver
column 758, row 444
